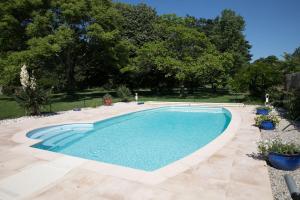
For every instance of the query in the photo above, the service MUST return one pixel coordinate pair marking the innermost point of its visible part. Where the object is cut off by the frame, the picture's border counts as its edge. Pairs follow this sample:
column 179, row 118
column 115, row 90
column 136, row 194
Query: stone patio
column 27, row 173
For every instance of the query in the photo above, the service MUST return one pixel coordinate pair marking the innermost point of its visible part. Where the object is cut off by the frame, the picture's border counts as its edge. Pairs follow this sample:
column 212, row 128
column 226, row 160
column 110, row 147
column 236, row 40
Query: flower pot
column 284, row 162
column 267, row 125
column 107, row 102
column 262, row 111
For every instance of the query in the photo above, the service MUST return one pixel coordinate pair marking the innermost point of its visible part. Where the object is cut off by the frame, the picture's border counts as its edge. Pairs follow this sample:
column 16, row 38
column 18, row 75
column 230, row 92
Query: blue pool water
column 146, row 140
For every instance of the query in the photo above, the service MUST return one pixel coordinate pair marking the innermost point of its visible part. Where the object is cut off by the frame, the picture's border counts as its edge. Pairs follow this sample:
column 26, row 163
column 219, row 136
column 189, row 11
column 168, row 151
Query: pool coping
column 152, row 177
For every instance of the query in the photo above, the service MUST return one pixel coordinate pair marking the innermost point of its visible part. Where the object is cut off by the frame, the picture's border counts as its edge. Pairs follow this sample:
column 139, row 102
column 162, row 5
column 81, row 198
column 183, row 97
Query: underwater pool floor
column 224, row 170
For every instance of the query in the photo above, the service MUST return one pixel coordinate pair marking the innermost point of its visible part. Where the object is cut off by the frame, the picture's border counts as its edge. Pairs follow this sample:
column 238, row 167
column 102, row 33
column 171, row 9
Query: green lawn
column 93, row 98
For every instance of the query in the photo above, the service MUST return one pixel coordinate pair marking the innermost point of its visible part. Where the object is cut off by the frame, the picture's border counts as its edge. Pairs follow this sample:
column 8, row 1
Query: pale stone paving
column 230, row 174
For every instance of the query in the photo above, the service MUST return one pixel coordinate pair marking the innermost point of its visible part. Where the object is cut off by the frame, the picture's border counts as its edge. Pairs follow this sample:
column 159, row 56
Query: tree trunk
column 70, row 65
column 182, row 90
column 213, row 87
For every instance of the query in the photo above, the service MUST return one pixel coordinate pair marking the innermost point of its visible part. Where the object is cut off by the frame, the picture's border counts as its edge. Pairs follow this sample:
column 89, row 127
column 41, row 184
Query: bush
column 31, row 100
column 9, row 90
column 123, row 93
column 293, row 104
column 261, row 118
column 277, row 146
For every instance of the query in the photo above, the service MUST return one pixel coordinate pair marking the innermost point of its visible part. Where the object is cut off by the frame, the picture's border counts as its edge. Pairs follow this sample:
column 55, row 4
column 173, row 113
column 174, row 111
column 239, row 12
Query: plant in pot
column 107, row 100
column 266, row 122
column 263, row 110
column 283, row 156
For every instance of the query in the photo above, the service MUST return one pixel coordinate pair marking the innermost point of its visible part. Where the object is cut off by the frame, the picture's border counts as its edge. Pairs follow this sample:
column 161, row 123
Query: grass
column 93, row 98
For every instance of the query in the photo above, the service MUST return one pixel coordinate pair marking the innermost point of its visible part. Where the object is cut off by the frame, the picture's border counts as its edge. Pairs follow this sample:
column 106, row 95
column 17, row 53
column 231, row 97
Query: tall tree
column 186, row 55
column 230, row 38
column 138, row 23
column 70, row 38
column 292, row 61
column 260, row 76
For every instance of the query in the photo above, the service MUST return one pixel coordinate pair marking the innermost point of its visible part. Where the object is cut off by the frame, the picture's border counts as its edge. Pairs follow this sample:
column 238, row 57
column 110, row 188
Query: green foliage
column 292, row 61
column 138, row 23
column 123, row 93
column 260, row 76
column 185, row 55
column 31, row 100
column 72, row 43
column 277, row 146
column 65, row 39
column 259, row 119
column 292, row 104
column 8, row 90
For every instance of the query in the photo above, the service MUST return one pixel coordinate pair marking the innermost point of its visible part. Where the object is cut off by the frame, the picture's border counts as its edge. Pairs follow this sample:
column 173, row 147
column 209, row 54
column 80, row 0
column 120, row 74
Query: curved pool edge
column 206, row 151
column 153, row 177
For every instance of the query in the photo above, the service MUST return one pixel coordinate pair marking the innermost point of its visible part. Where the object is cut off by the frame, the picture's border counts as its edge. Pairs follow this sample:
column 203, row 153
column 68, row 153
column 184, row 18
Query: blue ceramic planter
column 284, row 162
column 267, row 125
column 262, row 112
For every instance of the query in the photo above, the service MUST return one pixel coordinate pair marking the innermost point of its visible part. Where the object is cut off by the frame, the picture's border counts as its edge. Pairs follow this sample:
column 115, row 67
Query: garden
column 61, row 56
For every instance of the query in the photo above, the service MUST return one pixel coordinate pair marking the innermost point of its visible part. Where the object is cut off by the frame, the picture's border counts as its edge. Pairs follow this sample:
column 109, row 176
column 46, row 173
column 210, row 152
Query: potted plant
column 283, row 156
column 107, row 100
column 263, row 110
column 266, row 122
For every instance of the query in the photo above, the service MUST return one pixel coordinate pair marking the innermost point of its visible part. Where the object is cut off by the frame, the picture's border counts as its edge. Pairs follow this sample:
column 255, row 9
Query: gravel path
column 291, row 134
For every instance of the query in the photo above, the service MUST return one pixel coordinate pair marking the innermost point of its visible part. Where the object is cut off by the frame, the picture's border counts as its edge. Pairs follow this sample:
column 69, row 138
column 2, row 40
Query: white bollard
column 267, row 99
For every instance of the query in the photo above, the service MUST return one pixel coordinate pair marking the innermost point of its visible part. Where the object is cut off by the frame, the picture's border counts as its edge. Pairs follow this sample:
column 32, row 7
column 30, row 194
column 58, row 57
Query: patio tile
column 230, row 173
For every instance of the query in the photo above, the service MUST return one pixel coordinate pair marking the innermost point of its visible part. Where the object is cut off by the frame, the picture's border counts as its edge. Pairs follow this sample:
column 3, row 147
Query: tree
column 292, row 61
column 185, row 55
column 72, row 40
column 260, row 76
column 226, row 33
column 138, row 23
column 230, row 38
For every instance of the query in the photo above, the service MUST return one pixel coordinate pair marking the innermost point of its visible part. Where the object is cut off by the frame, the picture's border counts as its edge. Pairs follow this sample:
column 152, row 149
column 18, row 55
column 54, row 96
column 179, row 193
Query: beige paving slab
column 34, row 178
column 226, row 171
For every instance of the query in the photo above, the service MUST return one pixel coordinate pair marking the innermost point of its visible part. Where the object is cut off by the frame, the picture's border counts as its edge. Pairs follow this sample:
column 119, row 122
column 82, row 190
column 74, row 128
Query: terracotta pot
column 107, row 102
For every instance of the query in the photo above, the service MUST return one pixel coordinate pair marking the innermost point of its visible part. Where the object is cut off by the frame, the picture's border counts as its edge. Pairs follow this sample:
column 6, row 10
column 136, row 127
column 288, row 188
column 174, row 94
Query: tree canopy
column 86, row 43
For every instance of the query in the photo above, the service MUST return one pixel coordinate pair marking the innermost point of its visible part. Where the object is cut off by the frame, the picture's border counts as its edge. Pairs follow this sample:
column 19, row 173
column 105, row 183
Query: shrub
column 30, row 96
column 293, row 104
column 261, row 118
column 123, row 93
column 8, row 90
column 277, row 146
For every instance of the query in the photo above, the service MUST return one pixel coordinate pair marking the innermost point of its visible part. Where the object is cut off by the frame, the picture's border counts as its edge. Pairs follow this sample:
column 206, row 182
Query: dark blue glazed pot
column 284, row 162
column 262, row 111
column 267, row 125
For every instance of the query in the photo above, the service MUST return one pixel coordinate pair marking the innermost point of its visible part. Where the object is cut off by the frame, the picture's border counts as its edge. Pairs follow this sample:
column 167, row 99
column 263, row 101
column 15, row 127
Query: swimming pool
column 145, row 140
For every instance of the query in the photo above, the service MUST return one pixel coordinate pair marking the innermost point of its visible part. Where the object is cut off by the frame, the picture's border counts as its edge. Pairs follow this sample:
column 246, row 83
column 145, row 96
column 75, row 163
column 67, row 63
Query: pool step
column 68, row 140
column 51, row 134
column 57, row 138
column 47, row 132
